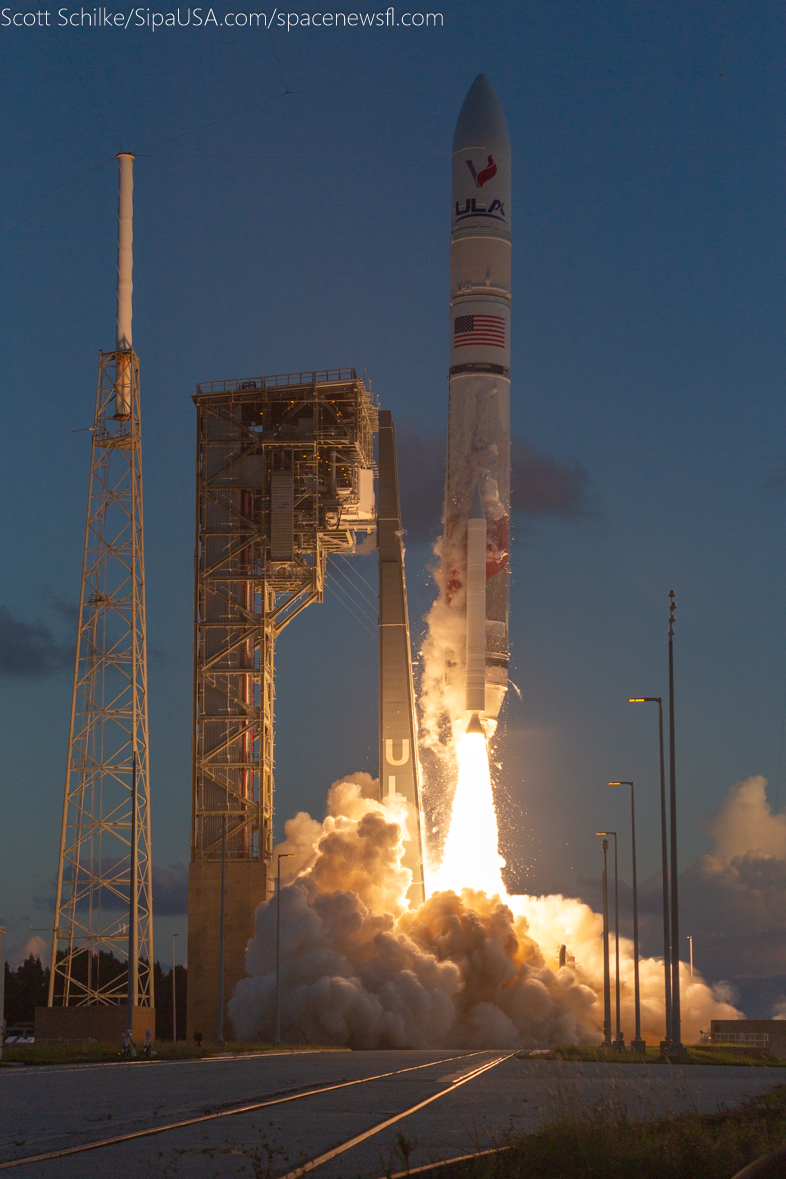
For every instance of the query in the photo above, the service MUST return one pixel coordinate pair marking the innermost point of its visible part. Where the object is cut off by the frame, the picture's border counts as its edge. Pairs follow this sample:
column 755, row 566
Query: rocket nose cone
column 481, row 119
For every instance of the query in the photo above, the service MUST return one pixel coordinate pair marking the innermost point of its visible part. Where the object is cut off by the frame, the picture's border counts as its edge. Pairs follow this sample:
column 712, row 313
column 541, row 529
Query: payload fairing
column 479, row 422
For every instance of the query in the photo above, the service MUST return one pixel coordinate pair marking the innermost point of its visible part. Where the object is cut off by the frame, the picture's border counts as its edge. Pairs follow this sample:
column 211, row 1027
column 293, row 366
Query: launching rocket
column 477, row 501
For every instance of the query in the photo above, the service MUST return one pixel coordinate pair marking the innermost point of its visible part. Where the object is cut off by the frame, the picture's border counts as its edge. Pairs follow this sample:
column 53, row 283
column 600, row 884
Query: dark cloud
column 541, row 484
column 29, row 650
column 170, row 890
column 65, row 608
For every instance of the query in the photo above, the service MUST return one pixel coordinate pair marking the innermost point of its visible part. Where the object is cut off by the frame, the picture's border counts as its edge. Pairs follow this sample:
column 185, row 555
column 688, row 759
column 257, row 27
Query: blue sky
column 291, row 212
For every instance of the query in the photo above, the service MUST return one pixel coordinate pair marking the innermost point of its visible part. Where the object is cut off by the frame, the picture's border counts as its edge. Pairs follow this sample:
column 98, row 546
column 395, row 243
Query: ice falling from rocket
column 477, row 500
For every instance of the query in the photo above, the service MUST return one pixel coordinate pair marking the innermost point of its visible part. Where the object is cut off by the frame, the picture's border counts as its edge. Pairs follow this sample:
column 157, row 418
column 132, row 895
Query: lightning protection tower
column 104, row 875
column 285, row 477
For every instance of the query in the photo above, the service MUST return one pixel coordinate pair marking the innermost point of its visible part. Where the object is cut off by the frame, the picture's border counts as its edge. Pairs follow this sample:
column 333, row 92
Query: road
column 472, row 1100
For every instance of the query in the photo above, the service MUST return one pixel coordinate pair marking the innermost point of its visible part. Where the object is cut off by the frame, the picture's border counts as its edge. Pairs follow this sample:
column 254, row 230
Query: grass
column 607, row 1144
column 93, row 1051
column 693, row 1054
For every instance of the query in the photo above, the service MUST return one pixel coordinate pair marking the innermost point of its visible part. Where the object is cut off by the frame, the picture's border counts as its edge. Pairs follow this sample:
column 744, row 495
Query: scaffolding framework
column 280, row 466
column 284, row 477
column 107, row 771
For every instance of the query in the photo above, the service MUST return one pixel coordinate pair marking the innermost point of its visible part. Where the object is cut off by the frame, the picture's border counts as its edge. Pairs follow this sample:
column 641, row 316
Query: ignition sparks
column 471, row 858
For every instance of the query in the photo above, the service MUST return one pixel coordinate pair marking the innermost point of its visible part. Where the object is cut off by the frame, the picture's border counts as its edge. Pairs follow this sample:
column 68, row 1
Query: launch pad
column 285, row 477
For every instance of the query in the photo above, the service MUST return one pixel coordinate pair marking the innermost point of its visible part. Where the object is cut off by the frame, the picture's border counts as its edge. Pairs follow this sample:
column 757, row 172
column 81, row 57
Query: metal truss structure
column 107, row 774
column 285, row 476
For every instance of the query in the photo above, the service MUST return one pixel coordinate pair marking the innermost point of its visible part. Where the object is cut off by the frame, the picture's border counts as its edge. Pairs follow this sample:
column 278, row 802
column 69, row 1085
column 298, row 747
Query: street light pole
column 606, row 979
column 664, row 850
column 174, row 992
column 676, row 1029
column 619, row 1043
column 690, row 942
column 637, row 1044
column 283, row 856
column 220, row 1032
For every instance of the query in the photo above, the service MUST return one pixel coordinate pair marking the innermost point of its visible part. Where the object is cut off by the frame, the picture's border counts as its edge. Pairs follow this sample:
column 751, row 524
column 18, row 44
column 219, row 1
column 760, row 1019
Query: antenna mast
column 103, row 901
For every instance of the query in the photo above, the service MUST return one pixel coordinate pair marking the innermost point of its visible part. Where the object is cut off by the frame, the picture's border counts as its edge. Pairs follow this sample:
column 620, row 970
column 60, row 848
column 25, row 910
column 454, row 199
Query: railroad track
column 451, row 1084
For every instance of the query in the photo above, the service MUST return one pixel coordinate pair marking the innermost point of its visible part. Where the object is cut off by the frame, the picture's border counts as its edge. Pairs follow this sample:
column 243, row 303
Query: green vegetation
column 605, row 1143
column 693, row 1054
column 27, row 987
column 88, row 1052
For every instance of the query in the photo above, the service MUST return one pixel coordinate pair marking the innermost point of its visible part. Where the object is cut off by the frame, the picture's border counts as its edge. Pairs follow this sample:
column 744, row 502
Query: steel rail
column 225, row 1113
column 331, row 1154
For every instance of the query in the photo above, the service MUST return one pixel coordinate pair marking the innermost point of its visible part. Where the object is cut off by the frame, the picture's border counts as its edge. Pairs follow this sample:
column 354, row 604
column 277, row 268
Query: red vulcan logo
column 480, row 178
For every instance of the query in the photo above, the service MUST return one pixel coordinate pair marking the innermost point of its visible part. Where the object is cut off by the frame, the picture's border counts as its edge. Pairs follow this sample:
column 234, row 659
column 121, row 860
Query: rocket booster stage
column 479, row 422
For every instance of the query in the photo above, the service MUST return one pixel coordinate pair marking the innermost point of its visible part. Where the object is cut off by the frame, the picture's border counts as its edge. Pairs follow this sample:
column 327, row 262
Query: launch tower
column 103, row 899
column 285, row 477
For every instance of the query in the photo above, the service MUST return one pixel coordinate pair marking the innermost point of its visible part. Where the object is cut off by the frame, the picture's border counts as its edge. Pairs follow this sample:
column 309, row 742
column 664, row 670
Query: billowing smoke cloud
column 359, row 968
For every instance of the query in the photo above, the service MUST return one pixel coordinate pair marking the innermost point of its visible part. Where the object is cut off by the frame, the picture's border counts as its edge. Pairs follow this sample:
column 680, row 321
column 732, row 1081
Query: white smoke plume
column 361, row 969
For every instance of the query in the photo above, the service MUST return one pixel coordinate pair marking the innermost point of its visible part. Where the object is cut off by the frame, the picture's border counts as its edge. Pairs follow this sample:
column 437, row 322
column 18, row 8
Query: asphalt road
column 45, row 1109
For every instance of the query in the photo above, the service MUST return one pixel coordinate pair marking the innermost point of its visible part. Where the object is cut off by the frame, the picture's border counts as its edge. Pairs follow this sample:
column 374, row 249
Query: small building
column 766, row 1035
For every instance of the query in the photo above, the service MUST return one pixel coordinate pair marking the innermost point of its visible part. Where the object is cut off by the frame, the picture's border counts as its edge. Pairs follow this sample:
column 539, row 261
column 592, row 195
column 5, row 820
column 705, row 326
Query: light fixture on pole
column 664, row 853
column 606, row 979
column 619, row 1043
column 174, row 992
column 283, row 856
column 637, row 1044
column 676, row 1022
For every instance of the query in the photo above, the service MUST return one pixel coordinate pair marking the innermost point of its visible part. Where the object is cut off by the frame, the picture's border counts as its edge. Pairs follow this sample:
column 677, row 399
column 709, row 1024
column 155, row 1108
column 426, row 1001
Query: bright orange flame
column 471, row 858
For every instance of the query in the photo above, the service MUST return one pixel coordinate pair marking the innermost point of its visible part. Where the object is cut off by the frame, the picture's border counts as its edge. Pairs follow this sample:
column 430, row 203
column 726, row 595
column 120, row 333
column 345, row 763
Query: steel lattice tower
column 285, row 477
column 103, row 852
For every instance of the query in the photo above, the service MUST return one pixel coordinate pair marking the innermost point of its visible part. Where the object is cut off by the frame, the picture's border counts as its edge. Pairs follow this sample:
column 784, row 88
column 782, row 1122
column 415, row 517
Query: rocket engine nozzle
column 474, row 724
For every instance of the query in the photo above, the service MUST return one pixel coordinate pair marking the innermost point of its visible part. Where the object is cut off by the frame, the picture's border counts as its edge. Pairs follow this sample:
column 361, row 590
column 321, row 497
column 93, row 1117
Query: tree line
column 27, row 987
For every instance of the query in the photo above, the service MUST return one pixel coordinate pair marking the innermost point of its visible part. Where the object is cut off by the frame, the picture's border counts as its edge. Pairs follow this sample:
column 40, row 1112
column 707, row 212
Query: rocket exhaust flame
column 471, row 859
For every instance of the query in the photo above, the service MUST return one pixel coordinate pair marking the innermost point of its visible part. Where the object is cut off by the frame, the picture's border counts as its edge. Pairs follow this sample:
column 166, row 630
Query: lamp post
column 174, row 992
column 619, row 1043
column 637, row 1045
column 664, row 852
column 676, row 1028
column 283, row 856
column 606, row 980
column 220, row 1031
column 690, row 943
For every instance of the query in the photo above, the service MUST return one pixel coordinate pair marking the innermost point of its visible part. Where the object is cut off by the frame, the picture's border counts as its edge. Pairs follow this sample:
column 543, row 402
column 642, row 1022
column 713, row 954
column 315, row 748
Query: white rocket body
column 476, row 608
column 479, row 422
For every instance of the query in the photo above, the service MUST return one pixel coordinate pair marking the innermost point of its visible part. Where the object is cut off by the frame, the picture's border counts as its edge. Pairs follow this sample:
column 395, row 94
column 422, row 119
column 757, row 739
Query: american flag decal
column 479, row 330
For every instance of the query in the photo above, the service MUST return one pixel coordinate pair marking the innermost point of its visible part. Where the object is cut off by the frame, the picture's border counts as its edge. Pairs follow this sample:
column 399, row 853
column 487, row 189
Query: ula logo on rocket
column 481, row 177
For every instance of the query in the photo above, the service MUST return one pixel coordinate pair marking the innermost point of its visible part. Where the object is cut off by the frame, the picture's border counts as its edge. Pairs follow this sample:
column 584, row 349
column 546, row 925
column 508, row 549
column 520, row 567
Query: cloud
column 541, row 483
column 29, row 650
column 36, row 945
column 170, row 890
column 65, row 607
column 744, row 823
